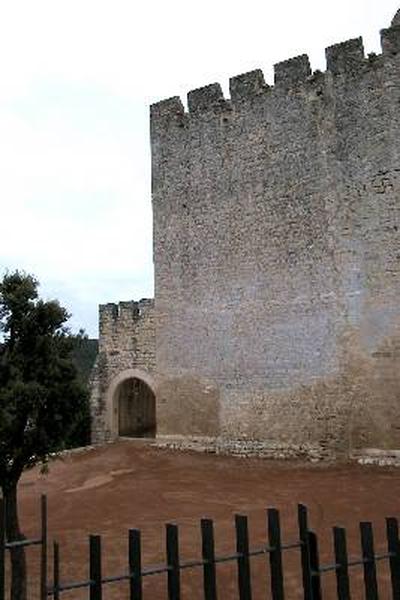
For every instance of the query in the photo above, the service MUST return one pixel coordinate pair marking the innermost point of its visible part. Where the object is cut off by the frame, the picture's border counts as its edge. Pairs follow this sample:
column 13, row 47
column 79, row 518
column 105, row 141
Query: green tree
column 42, row 402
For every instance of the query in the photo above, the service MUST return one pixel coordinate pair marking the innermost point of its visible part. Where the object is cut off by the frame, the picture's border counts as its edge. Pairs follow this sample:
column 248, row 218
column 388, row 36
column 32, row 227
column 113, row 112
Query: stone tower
column 277, row 258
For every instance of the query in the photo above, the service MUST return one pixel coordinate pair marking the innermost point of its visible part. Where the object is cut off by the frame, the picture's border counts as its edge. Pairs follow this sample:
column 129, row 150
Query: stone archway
column 132, row 405
column 136, row 409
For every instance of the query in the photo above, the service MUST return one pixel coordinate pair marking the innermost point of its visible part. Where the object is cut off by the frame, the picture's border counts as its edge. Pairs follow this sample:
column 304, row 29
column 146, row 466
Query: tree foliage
column 41, row 398
column 43, row 404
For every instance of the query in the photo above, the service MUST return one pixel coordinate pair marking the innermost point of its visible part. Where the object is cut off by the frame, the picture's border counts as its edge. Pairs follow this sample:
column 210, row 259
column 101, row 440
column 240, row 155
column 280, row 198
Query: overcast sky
column 76, row 81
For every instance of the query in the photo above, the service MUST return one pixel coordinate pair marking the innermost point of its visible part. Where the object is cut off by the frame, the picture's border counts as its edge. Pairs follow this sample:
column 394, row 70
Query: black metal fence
column 306, row 545
column 7, row 545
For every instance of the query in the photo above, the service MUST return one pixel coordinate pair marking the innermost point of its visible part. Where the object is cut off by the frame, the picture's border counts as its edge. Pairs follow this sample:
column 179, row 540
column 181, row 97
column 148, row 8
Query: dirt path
column 110, row 489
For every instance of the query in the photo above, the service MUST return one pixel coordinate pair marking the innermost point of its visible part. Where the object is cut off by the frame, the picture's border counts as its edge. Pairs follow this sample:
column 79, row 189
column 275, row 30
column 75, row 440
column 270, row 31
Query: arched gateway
column 136, row 405
column 131, row 403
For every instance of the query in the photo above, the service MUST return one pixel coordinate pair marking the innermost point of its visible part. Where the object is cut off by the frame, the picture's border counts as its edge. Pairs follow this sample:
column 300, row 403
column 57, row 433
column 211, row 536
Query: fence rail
column 306, row 544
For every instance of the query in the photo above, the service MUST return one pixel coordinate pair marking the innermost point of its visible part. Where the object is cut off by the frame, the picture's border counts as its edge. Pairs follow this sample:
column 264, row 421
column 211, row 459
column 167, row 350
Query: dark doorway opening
column 136, row 409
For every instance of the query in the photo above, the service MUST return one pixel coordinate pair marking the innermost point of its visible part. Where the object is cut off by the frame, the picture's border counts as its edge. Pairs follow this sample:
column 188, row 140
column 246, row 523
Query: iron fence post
column 305, row 552
column 368, row 554
column 56, row 571
column 95, row 567
column 43, row 552
column 208, row 553
column 135, row 565
column 341, row 559
column 174, row 579
column 275, row 555
column 243, row 560
column 314, row 565
column 2, row 548
column 392, row 533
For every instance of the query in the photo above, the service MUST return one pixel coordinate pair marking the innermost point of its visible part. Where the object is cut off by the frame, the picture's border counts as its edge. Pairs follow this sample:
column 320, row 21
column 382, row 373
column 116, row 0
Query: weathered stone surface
column 277, row 269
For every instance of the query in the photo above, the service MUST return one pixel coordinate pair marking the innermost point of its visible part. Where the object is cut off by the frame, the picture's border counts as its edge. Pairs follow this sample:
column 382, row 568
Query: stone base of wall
column 245, row 448
column 181, row 442
column 376, row 456
column 260, row 449
column 100, row 436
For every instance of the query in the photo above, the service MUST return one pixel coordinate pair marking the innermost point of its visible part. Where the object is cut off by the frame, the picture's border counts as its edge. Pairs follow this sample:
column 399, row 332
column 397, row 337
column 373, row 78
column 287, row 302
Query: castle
column 275, row 328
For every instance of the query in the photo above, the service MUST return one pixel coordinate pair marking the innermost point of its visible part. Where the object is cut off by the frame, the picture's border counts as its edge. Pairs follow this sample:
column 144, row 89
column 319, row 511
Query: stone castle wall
column 277, row 256
column 126, row 346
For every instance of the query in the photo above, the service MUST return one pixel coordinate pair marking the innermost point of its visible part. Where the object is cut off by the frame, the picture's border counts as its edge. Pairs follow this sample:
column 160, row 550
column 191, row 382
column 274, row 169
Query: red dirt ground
column 107, row 490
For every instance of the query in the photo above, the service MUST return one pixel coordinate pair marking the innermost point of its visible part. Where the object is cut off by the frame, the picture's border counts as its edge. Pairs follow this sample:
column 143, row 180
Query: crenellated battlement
column 124, row 310
column 293, row 71
column 205, row 98
column 167, row 109
column 108, row 311
column 249, row 84
column 343, row 59
column 120, row 323
column 346, row 57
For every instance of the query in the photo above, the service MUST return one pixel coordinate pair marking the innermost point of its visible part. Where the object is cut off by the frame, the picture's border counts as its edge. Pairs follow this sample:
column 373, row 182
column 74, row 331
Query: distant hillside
column 84, row 355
